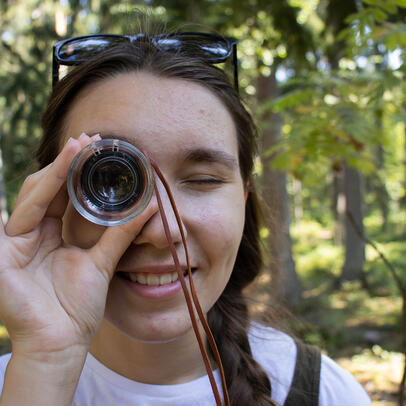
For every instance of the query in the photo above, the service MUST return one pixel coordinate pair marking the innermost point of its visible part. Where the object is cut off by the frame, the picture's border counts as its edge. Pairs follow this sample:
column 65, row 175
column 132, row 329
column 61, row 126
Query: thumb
column 115, row 240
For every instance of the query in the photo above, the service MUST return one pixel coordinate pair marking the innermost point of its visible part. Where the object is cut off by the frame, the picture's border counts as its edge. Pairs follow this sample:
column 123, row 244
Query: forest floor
column 358, row 327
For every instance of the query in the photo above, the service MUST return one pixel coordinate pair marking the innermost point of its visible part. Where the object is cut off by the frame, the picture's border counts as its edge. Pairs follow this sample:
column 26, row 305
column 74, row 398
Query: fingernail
column 70, row 141
column 83, row 136
column 95, row 137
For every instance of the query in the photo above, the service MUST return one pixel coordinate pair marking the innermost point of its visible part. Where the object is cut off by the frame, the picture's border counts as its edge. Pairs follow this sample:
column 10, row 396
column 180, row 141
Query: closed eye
column 204, row 181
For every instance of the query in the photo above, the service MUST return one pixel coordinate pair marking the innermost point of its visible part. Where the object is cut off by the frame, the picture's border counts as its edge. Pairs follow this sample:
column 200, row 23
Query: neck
column 168, row 363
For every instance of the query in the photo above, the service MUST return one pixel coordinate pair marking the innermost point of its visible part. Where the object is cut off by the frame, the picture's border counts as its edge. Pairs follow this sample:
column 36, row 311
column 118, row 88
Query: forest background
column 325, row 80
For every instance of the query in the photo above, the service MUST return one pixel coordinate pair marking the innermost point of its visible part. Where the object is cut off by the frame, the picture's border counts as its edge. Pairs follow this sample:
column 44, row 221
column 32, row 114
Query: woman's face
column 191, row 136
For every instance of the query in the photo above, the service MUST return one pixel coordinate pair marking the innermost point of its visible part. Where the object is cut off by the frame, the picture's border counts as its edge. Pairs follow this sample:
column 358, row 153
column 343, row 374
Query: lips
column 153, row 276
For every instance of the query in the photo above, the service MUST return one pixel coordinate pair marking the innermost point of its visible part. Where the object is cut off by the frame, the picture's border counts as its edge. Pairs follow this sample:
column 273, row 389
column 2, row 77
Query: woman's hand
column 52, row 296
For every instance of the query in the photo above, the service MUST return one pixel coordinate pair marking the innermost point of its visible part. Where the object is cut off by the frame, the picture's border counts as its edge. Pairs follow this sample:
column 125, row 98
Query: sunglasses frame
column 57, row 61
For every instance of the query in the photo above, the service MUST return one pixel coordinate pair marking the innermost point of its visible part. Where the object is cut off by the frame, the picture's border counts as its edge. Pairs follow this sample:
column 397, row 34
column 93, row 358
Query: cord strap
column 188, row 299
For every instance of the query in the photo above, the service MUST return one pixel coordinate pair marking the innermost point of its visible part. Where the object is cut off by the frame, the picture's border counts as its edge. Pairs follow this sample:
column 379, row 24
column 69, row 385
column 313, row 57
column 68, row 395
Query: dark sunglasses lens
column 79, row 50
column 212, row 49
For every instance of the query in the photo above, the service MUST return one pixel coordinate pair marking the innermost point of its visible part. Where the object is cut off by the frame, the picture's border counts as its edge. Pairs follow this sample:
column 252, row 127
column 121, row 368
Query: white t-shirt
column 275, row 351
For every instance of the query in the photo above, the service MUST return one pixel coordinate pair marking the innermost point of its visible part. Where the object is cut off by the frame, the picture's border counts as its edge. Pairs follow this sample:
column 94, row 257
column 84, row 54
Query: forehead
column 153, row 111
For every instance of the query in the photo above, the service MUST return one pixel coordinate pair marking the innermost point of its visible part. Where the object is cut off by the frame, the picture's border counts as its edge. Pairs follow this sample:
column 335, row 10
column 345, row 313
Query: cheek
column 78, row 231
column 220, row 231
column 219, row 238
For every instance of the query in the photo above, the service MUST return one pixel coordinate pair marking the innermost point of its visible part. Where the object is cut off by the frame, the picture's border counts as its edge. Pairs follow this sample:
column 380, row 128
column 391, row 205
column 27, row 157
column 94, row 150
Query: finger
column 32, row 180
column 58, row 205
column 41, row 189
column 115, row 240
column 29, row 184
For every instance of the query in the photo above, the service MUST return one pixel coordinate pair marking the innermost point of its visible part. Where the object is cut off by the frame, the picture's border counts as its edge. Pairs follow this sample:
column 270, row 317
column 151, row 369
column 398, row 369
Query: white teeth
column 165, row 279
column 153, row 279
column 132, row 276
column 140, row 278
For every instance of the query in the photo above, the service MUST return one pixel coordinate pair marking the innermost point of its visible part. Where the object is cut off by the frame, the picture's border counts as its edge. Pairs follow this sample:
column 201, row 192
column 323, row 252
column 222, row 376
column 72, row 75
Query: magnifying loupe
column 110, row 182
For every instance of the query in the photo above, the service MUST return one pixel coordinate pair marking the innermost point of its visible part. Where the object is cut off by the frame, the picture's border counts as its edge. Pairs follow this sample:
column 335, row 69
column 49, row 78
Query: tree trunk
column 297, row 200
column 337, row 12
column 3, row 198
column 354, row 245
column 403, row 198
column 286, row 283
column 193, row 12
column 381, row 193
column 379, row 188
column 338, row 207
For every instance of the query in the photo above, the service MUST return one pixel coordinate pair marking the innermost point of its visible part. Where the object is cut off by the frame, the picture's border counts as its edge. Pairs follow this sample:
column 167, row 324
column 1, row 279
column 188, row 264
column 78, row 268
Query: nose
column 153, row 231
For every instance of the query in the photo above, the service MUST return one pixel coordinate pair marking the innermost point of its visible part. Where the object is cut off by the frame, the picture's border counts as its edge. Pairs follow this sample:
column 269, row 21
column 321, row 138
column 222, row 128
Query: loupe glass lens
column 110, row 182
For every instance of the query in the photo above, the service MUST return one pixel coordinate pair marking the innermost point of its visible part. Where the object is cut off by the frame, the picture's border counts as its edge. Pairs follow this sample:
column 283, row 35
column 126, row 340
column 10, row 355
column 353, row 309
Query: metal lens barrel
column 110, row 182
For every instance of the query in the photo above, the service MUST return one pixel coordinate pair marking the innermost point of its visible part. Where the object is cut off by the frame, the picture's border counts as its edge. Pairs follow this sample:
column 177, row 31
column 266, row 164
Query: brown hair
column 247, row 383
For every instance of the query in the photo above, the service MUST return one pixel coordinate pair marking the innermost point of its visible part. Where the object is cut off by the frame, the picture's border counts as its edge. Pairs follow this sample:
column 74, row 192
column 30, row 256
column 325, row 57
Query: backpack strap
column 304, row 390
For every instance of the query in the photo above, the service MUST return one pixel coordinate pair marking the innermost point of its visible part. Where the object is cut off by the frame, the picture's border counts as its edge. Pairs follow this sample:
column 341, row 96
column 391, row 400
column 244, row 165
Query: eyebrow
column 210, row 155
column 197, row 155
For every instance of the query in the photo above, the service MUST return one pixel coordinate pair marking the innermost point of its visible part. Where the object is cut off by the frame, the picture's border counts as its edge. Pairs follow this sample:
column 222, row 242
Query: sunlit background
column 325, row 81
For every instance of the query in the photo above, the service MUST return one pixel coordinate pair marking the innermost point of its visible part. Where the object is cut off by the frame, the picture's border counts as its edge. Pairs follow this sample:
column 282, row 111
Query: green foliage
column 378, row 22
column 329, row 118
column 346, row 105
column 24, row 77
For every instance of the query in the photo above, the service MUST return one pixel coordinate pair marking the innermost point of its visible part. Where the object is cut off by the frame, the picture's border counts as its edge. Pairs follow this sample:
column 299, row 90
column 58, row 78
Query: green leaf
column 400, row 3
column 379, row 15
column 389, row 7
column 391, row 41
column 372, row 2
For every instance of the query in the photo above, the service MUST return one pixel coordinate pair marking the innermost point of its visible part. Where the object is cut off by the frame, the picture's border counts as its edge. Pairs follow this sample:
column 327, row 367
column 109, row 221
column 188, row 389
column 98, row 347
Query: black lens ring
column 130, row 163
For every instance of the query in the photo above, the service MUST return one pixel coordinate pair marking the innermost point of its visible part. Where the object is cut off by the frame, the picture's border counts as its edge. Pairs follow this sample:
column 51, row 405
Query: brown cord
column 189, row 303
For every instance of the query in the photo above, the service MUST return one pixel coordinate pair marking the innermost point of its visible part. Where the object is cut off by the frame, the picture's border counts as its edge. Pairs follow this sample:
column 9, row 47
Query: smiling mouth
column 152, row 279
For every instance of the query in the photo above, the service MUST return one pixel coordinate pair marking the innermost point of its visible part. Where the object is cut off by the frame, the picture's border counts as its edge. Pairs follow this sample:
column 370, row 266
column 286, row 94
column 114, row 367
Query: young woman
column 96, row 314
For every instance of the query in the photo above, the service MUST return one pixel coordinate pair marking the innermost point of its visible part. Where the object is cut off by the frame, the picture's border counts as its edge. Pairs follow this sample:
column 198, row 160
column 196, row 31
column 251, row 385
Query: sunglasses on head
column 213, row 48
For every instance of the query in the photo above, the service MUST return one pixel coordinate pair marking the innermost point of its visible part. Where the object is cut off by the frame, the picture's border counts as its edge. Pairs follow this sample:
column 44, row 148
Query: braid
column 247, row 383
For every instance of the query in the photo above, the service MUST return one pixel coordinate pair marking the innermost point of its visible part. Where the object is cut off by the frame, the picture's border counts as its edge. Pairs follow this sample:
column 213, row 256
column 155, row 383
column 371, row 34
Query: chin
column 153, row 330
